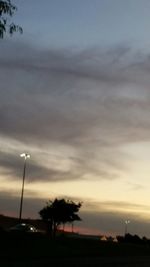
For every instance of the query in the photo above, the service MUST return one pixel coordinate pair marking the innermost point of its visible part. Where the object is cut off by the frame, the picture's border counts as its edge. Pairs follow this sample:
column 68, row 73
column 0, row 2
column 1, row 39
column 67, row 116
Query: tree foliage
column 59, row 211
column 7, row 10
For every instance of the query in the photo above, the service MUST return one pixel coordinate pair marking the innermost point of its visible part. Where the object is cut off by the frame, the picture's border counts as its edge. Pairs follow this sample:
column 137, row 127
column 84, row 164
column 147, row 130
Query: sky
column 75, row 95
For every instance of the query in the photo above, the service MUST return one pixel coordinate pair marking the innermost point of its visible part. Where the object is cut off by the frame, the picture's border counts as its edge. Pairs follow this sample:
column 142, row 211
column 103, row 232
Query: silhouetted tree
column 7, row 9
column 59, row 211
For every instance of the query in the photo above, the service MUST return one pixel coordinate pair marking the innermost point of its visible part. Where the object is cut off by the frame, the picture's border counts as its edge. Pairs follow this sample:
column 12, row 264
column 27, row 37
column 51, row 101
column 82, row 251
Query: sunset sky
column 75, row 95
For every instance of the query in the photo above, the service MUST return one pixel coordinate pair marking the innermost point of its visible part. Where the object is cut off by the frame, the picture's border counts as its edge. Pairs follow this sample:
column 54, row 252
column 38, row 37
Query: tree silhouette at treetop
column 59, row 211
column 7, row 10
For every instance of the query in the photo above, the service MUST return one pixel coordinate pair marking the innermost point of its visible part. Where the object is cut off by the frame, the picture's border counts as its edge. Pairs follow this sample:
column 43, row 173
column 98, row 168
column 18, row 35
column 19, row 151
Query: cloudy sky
column 75, row 95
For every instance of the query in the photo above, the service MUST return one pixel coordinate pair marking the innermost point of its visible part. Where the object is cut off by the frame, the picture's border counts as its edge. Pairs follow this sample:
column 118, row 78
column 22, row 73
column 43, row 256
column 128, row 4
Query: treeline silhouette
column 134, row 239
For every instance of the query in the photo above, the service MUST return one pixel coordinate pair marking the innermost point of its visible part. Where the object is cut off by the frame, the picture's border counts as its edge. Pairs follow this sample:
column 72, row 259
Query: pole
column 21, row 200
column 126, row 226
column 125, row 229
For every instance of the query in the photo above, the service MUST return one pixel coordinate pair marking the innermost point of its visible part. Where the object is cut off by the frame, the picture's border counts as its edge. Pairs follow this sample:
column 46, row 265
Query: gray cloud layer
column 91, row 102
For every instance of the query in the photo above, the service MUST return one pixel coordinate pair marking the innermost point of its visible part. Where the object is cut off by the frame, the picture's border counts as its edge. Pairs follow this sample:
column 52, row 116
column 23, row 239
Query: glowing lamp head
column 25, row 155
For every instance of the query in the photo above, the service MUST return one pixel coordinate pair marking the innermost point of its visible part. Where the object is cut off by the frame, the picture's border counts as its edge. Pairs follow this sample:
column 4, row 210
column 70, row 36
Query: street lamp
column 25, row 156
column 126, row 226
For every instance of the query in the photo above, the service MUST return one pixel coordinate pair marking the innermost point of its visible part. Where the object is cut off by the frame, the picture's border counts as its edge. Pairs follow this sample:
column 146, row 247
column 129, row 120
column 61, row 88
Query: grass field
column 39, row 250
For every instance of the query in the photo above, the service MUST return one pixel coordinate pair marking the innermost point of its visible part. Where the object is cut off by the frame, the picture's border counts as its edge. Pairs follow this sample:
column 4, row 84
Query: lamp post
column 126, row 226
column 25, row 156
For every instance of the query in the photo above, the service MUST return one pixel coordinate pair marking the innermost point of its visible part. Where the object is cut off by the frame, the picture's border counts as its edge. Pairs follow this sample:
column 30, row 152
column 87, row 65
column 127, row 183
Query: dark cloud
column 12, row 166
column 110, row 216
column 90, row 101
column 10, row 204
column 114, row 223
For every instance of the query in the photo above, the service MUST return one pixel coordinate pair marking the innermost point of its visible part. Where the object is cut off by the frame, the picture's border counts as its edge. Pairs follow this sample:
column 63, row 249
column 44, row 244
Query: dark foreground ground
column 39, row 250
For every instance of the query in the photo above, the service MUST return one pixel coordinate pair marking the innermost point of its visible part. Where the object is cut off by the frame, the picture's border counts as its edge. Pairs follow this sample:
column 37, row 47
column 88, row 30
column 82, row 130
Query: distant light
column 25, row 155
column 127, row 221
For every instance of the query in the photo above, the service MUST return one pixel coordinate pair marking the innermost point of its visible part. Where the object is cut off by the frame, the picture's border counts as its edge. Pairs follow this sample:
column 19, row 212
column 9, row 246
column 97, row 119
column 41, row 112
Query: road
column 84, row 262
